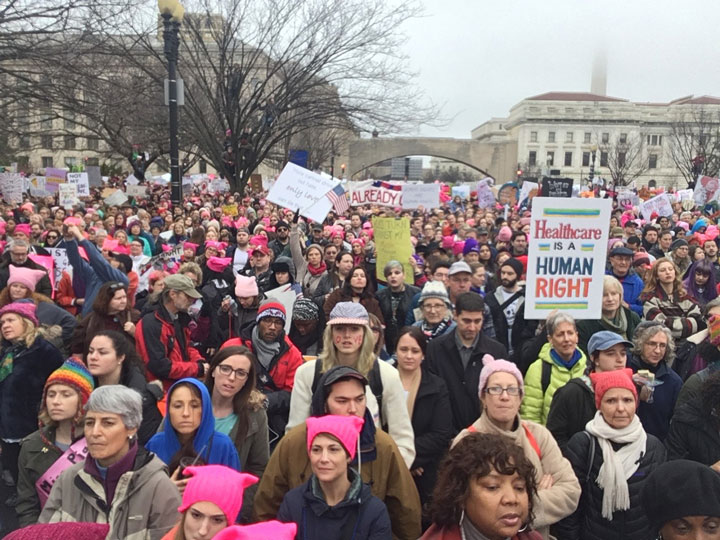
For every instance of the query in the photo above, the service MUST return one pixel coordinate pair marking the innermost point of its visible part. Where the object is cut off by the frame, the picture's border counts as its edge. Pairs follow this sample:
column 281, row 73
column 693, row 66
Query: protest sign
column 628, row 198
column 566, row 258
column 94, row 175
column 684, row 195
column 219, row 185
column 11, row 187
column 378, row 193
column 508, row 194
column 256, row 183
column 485, row 195
column 230, row 210
column 81, row 181
column 285, row 296
column 131, row 180
column 660, row 204
column 556, row 187
column 392, row 241
column 60, row 258
column 37, row 187
column 53, row 178
column 463, row 191
column 136, row 190
column 416, row 195
column 707, row 189
column 298, row 188
column 67, row 195
column 527, row 192
column 116, row 198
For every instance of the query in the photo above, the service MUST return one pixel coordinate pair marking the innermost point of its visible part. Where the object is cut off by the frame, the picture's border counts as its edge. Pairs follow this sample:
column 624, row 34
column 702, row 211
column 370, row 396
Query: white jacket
column 394, row 411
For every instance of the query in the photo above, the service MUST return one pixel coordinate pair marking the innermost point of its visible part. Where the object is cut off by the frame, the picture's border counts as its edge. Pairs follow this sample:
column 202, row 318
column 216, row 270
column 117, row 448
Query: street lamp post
column 592, row 163
column 172, row 13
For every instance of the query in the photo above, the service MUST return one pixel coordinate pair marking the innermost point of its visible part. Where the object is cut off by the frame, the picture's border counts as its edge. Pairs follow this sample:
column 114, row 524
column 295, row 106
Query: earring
column 524, row 528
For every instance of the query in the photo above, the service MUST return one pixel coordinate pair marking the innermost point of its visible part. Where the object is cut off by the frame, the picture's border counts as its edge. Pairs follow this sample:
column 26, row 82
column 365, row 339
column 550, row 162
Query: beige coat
column 561, row 500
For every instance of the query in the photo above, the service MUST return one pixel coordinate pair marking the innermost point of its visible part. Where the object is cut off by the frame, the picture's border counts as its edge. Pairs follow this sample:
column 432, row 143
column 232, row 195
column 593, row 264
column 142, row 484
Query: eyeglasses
column 498, row 390
column 227, row 370
column 433, row 307
column 653, row 345
column 283, row 229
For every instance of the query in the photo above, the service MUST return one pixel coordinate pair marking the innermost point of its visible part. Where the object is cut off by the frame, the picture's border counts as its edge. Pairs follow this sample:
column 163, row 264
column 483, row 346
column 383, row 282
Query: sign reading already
column 377, row 193
column 566, row 259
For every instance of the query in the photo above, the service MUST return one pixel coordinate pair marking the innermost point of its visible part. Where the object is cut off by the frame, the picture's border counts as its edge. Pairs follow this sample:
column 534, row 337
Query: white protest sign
column 116, row 198
column 660, row 204
column 286, row 297
column 219, row 185
column 485, row 195
column 417, row 195
column 62, row 263
column 628, row 198
column 37, row 187
column 136, row 191
column 566, row 257
column 526, row 190
column 80, row 179
column 707, row 189
column 318, row 211
column 298, row 188
column 11, row 186
column 131, row 180
column 684, row 195
column 462, row 190
column 379, row 193
column 67, row 195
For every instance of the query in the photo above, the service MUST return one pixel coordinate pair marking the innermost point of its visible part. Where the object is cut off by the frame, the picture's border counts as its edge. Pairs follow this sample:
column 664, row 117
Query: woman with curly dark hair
column 356, row 288
column 485, row 489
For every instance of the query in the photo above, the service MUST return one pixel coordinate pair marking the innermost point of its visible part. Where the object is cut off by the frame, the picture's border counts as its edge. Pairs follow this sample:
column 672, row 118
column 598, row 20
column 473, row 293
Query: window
column 69, row 121
column 652, row 162
column 623, row 138
column 93, row 143
column 605, row 138
column 551, row 136
column 532, row 158
column 621, row 159
column 569, row 136
column 46, row 121
column 203, row 166
column 47, row 162
column 586, row 159
column 568, row 159
column 70, row 162
column 603, row 159
column 654, row 140
column 69, row 142
column 25, row 141
column 46, row 141
column 587, row 138
column 550, row 159
column 92, row 162
column 533, row 136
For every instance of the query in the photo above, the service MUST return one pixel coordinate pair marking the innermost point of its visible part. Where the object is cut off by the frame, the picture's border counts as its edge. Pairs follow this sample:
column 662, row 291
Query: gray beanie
column 434, row 289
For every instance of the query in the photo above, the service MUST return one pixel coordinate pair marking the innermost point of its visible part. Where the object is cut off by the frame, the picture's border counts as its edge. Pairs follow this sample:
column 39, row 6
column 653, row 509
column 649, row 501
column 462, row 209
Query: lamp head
column 179, row 13
column 167, row 7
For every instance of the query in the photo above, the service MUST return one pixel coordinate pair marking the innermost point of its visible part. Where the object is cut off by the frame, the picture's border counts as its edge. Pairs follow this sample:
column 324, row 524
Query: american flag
column 338, row 199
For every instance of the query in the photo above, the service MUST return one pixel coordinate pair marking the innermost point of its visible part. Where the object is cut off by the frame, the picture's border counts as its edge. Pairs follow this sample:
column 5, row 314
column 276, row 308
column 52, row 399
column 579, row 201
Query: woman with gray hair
column 395, row 301
column 651, row 362
column 119, row 482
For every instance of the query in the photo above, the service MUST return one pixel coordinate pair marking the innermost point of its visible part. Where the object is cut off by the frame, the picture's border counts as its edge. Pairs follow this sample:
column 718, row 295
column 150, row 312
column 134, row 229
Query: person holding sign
column 51, row 449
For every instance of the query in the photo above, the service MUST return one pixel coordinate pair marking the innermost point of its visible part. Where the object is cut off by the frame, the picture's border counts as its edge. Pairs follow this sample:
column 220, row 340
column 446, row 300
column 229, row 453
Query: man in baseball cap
column 621, row 259
column 261, row 257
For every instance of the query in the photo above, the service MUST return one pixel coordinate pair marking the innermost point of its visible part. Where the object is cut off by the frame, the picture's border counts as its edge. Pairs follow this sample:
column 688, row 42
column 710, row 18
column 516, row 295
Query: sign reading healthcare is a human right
column 566, row 258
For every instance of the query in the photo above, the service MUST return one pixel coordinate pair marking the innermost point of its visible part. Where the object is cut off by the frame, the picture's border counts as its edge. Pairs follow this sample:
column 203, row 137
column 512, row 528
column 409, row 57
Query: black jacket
column 443, row 359
column 573, row 406
column 693, row 434
column 587, row 522
column 394, row 324
column 43, row 286
column 133, row 378
column 432, row 431
column 522, row 329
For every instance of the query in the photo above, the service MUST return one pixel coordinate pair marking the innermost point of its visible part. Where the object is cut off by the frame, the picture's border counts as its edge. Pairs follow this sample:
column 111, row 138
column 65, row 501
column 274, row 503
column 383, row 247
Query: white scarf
column 617, row 466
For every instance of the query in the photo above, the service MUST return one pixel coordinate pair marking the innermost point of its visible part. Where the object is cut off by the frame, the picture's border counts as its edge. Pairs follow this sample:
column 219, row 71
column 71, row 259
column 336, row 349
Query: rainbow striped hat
column 72, row 373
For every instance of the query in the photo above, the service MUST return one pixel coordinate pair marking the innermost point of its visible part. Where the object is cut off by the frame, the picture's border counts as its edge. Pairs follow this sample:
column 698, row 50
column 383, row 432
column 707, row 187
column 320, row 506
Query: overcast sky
column 478, row 58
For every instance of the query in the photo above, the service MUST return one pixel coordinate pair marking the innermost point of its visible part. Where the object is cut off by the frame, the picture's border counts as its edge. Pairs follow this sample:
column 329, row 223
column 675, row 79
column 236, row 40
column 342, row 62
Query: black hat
column 281, row 224
column 680, row 242
column 516, row 265
column 330, row 377
column 621, row 251
column 482, row 231
column 678, row 489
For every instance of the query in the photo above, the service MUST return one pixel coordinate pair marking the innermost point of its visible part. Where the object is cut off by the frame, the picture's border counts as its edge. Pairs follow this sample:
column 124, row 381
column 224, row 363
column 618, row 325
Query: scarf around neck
column 618, row 466
column 562, row 363
column 433, row 332
column 265, row 351
column 317, row 270
column 617, row 324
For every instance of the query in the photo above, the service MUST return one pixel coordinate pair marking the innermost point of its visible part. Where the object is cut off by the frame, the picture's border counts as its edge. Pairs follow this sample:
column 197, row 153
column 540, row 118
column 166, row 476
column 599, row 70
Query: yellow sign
column 392, row 240
column 230, row 210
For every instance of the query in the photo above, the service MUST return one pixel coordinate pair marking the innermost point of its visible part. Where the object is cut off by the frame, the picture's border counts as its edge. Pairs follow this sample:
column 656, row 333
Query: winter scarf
column 265, row 351
column 617, row 324
column 618, row 465
column 6, row 367
column 433, row 332
column 317, row 270
column 562, row 363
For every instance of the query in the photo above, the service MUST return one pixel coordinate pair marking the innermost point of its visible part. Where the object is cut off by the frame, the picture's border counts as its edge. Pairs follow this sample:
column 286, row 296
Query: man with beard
column 260, row 268
column 663, row 246
column 282, row 239
column 519, row 245
column 507, row 305
column 650, row 237
column 710, row 247
column 239, row 252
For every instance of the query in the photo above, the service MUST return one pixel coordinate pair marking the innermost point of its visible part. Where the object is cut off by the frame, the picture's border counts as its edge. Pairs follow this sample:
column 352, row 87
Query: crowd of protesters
column 150, row 395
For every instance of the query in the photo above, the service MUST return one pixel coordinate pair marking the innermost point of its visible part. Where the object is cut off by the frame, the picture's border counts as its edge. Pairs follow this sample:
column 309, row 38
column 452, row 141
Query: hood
column 702, row 222
column 291, row 266
column 357, row 493
column 167, row 443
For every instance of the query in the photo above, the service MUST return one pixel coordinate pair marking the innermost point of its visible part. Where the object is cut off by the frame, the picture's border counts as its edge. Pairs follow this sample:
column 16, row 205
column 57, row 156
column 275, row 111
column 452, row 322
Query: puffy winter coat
column 536, row 403
column 572, row 407
column 588, row 523
column 360, row 516
column 632, row 286
column 693, row 434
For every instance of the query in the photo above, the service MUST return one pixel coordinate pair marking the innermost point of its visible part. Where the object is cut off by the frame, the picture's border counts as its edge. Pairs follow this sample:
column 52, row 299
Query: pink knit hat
column 619, row 378
column 24, row 309
column 25, row 276
column 218, row 264
column 345, row 429
column 22, row 228
column 490, row 366
column 267, row 530
column 61, row 531
column 505, row 234
column 245, row 286
column 190, row 245
column 216, row 484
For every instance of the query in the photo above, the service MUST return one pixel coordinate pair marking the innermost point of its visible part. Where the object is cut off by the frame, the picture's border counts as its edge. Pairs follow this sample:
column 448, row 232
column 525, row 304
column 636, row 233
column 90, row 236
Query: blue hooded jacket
column 218, row 451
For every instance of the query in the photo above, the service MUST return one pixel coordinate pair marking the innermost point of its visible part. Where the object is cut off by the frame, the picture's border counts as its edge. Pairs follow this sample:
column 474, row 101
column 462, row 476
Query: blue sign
column 299, row 157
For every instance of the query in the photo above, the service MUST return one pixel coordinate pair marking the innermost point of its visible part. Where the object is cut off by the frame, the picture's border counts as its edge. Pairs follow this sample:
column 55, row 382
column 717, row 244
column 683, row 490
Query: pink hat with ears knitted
column 25, row 276
column 267, row 530
column 216, row 484
column 345, row 429
column 490, row 366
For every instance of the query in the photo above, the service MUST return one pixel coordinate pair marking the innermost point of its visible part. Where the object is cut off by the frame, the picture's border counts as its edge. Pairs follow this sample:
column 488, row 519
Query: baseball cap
column 262, row 249
column 178, row 282
column 482, row 231
column 603, row 340
column 622, row 251
column 343, row 372
column 459, row 267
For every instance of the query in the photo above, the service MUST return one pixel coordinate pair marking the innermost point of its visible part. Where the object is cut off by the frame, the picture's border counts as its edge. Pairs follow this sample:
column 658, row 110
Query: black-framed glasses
column 228, row 370
column 498, row 390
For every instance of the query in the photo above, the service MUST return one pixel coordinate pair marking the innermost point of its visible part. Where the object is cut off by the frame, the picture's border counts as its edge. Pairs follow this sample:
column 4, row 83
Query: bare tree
column 695, row 143
column 626, row 156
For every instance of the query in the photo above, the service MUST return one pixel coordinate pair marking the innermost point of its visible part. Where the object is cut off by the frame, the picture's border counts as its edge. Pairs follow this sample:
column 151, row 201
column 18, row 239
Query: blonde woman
column 348, row 341
column 26, row 361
